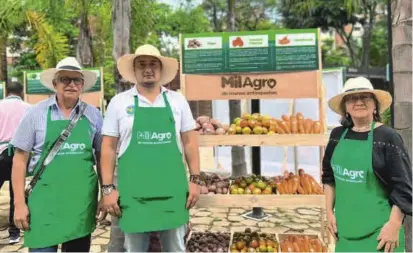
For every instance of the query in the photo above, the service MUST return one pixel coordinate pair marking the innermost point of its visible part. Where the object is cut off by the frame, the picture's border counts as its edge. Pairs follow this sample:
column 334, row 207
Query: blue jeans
column 171, row 240
column 77, row 245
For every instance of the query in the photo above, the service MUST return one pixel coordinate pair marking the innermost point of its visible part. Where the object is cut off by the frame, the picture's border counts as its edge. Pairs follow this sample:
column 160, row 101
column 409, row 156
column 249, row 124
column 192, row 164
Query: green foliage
column 379, row 45
column 332, row 57
column 386, row 117
column 51, row 47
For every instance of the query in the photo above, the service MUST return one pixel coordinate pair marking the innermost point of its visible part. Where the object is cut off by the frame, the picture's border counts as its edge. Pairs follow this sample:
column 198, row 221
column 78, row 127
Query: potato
column 204, row 190
column 216, row 123
column 220, row 131
column 197, row 126
column 203, row 119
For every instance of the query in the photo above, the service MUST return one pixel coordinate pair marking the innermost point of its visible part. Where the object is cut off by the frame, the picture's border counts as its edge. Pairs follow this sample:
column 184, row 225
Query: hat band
column 356, row 89
column 69, row 67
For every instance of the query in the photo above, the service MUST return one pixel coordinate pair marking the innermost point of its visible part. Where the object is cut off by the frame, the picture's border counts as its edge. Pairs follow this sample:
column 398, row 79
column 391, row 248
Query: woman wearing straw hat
column 367, row 173
column 61, row 209
column 152, row 126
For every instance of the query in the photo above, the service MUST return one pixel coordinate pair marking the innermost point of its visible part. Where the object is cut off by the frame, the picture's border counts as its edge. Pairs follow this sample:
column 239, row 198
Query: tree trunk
column 402, row 76
column 368, row 31
column 121, row 23
column 239, row 166
column 3, row 58
column 84, row 52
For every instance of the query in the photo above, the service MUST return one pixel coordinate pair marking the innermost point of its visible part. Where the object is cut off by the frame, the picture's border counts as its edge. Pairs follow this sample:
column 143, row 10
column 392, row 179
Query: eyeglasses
column 67, row 80
column 354, row 98
column 151, row 65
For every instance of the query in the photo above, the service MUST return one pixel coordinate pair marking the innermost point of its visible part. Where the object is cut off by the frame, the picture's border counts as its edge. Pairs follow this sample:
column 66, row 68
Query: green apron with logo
column 361, row 204
column 64, row 201
column 152, row 181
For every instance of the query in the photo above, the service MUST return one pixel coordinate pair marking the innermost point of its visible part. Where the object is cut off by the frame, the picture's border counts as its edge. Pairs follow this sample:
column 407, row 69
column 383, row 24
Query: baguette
column 280, row 189
column 295, row 247
column 285, row 126
column 294, row 125
column 317, row 127
column 300, row 123
column 316, row 188
column 300, row 189
column 296, row 181
column 285, row 117
column 308, row 125
column 317, row 245
column 305, row 184
column 299, row 116
column 310, row 186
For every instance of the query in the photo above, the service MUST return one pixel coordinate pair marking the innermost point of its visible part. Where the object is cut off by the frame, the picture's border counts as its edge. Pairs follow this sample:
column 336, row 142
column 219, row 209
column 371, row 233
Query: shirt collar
column 13, row 97
column 135, row 92
column 53, row 102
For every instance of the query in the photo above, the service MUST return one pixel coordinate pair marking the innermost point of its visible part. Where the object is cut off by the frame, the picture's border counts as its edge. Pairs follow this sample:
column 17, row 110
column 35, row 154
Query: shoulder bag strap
column 55, row 148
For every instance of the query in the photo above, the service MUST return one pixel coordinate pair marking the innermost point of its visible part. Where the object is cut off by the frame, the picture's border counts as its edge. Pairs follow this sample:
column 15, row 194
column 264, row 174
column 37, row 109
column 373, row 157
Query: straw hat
column 169, row 65
column 360, row 85
column 68, row 64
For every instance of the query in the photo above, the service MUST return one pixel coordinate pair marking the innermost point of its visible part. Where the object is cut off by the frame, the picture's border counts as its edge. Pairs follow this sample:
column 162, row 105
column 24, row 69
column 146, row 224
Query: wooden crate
column 283, row 236
column 263, row 140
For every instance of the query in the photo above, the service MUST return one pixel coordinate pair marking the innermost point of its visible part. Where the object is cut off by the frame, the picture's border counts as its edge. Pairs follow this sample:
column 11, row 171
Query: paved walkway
column 299, row 220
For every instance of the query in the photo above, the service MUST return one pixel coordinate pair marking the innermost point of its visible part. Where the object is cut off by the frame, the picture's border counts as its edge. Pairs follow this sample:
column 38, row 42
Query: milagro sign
column 254, row 86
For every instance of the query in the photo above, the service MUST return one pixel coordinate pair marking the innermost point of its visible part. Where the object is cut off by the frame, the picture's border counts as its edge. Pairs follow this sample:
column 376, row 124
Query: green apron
column 361, row 205
column 63, row 203
column 152, row 181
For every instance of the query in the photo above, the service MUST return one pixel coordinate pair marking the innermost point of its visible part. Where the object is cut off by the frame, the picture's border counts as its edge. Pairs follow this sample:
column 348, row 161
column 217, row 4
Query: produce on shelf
column 302, row 243
column 249, row 241
column 297, row 184
column 252, row 185
column 258, row 124
column 213, row 184
column 206, row 125
column 208, row 242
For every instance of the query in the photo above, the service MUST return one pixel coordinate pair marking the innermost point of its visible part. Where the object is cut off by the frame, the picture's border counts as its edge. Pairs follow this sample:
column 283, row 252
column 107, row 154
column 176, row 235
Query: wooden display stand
column 292, row 85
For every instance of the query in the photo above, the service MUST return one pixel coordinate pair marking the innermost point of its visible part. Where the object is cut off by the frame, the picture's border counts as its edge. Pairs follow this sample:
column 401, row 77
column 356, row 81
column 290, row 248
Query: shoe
column 14, row 239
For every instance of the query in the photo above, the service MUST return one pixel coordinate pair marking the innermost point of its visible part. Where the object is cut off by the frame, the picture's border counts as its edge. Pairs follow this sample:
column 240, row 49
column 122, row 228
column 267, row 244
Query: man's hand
column 389, row 236
column 194, row 191
column 21, row 217
column 101, row 213
column 332, row 225
column 110, row 203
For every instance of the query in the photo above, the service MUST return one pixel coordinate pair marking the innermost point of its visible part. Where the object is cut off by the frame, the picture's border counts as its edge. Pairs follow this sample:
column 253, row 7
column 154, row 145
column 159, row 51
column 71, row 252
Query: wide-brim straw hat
column 68, row 64
column 360, row 85
column 169, row 65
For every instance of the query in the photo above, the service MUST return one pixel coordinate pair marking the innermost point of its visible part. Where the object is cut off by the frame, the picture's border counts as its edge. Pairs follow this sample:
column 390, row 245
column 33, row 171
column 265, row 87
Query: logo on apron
column 130, row 109
column 147, row 137
column 349, row 175
column 72, row 149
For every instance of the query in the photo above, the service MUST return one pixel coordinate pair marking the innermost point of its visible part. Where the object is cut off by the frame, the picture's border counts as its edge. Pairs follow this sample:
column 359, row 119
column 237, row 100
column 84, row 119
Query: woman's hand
column 389, row 236
column 332, row 226
column 110, row 204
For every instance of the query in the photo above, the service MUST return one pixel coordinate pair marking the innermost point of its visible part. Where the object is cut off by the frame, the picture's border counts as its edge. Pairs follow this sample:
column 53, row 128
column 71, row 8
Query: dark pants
column 77, row 245
column 6, row 163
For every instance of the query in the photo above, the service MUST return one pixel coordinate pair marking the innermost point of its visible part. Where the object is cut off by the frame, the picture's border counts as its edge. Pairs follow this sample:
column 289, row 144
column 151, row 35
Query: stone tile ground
column 299, row 220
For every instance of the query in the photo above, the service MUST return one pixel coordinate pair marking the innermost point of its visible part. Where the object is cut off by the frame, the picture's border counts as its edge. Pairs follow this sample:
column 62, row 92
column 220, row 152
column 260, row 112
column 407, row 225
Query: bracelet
column 194, row 179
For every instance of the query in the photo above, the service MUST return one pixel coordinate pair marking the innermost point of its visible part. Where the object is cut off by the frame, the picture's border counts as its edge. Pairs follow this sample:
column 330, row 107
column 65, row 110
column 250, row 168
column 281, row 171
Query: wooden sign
column 252, row 86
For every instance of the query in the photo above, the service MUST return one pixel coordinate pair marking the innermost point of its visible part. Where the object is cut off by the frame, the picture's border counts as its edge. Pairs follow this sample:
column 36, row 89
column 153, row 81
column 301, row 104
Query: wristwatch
column 194, row 179
column 107, row 189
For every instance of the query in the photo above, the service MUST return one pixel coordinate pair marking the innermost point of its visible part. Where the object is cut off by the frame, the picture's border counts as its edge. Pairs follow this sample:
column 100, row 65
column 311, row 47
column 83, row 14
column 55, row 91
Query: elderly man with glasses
column 61, row 207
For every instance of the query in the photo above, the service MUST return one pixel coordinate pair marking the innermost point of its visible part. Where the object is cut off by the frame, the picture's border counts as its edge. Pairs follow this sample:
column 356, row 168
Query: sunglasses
column 67, row 80
column 356, row 97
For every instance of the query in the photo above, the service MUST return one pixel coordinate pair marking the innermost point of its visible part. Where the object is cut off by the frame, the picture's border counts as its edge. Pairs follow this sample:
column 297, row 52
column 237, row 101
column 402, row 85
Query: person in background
column 12, row 110
column 153, row 127
column 62, row 206
column 367, row 173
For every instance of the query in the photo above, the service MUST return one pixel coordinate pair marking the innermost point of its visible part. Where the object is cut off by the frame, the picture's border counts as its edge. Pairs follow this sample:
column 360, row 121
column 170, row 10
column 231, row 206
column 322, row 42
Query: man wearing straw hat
column 153, row 126
column 59, row 205
column 367, row 173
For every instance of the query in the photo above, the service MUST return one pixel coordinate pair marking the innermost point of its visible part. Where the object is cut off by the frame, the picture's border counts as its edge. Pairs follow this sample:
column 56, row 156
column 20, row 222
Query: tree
column 342, row 18
column 402, row 75
column 121, row 23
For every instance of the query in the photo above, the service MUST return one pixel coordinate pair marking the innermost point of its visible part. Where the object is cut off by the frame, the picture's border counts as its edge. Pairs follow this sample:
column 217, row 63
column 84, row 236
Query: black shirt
column 391, row 163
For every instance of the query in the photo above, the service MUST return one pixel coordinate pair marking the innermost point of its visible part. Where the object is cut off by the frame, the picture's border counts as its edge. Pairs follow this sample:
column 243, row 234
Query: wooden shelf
column 264, row 140
column 249, row 201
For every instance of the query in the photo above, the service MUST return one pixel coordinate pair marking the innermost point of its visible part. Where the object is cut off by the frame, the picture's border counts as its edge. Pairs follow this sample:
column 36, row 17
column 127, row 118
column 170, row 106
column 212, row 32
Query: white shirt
column 118, row 122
